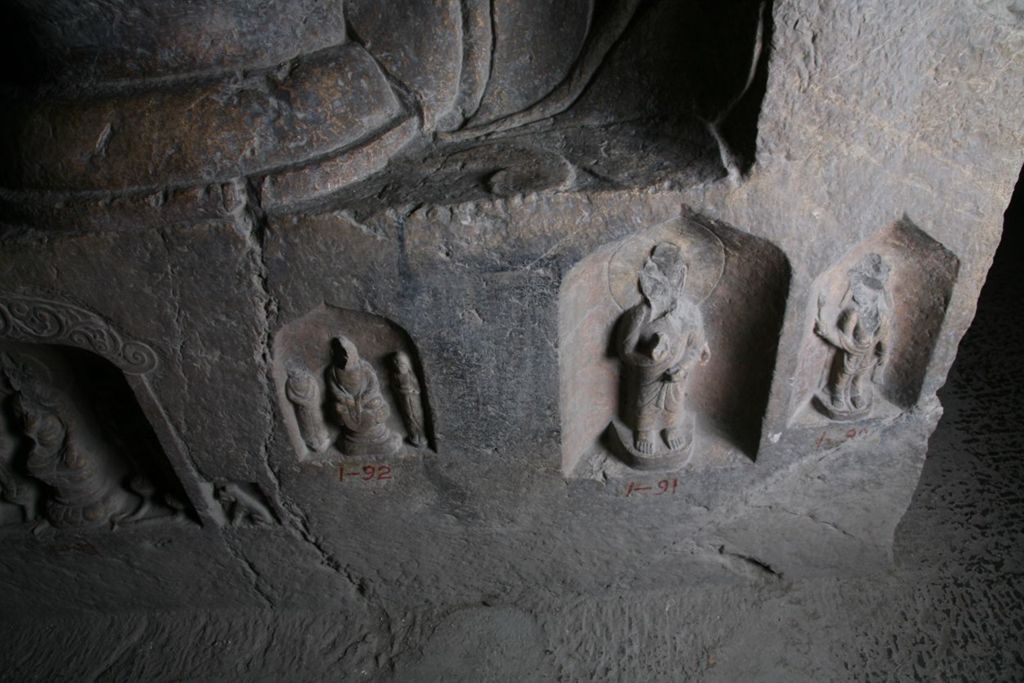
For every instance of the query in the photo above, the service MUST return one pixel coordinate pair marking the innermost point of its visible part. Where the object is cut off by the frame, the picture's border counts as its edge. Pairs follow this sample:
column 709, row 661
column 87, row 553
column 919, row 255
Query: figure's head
column 868, row 279
column 402, row 362
column 38, row 422
column 34, row 402
column 873, row 270
column 344, row 352
column 663, row 276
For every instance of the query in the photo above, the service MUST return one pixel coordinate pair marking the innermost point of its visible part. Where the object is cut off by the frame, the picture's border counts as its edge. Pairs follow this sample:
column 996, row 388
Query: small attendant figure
column 302, row 390
column 410, row 401
column 859, row 335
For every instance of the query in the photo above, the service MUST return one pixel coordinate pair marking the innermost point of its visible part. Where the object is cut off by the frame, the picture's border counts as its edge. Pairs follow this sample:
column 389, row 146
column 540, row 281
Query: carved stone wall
column 400, row 300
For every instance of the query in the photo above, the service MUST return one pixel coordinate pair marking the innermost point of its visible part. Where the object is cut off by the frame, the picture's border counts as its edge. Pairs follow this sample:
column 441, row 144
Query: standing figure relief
column 660, row 341
column 410, row 401
column 302, row 390
column 858, row 332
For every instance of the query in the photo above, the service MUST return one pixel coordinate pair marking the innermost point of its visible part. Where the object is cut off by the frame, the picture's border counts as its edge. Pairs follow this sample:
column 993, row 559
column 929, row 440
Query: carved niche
column 667, row 346
column 76, row 449
column 873, row 322
column 350, row 384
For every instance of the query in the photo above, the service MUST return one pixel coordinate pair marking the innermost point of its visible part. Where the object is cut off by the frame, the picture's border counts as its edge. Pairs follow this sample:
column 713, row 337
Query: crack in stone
column 252, row 572
column 808, row 516
column 251, row 222
column 385, row 631
column 179, row 320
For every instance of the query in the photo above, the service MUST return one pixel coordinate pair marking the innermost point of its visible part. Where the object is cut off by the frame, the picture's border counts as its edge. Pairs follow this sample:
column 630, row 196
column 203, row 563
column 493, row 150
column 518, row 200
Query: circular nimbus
column 703, row 254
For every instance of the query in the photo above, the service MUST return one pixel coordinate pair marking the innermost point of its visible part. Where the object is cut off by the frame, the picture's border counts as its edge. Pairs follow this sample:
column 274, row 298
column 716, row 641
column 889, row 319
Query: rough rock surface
column 951, row 610
column 212, row 260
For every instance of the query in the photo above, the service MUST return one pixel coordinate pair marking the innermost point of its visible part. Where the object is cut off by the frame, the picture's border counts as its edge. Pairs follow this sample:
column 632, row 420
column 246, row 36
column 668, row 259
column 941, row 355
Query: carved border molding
column 41, row 321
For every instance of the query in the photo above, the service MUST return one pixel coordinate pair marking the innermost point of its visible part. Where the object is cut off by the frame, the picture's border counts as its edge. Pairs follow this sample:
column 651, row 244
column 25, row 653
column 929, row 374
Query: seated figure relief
column 17, row 488
column 660, row 341
column 357, row 402
column 81, row 494
column 57, row 468
column 858, row 332
column 73, row 483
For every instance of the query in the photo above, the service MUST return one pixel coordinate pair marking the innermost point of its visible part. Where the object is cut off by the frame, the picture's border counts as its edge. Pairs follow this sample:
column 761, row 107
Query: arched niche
column 89, row 383
column 919, row 279
column 304, row 346
column 738, row 282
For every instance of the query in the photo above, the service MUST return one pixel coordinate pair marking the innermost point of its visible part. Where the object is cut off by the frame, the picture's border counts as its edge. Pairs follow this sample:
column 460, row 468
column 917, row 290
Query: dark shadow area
column 968, row 510
column 122, row 423
column 680, row 68
column 23, row 62
column 24, row 67
column 740, row 126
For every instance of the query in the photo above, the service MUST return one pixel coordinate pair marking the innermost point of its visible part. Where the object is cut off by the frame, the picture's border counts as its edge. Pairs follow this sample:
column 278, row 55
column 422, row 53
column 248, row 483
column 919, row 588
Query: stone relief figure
column 859, row 334
column 80, row 492
column 358, row 404
column 302, row 390
column 659, row 341
column 61, row 466
column 407, row 390
column 242, row 504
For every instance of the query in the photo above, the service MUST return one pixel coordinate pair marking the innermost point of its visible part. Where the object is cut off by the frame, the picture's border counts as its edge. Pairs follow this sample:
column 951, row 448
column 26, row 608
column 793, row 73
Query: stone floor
column 952, row 609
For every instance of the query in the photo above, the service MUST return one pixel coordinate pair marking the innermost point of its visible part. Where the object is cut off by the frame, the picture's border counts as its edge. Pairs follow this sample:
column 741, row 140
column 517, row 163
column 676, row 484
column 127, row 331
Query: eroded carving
column 410, row 401
column 59, row 459
column 41, row 321
column 304, row 393
column 660, row 340
column 358, row 403
column 79, row 492
column 859, row 333
column 242, row 504
column 351, row 384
